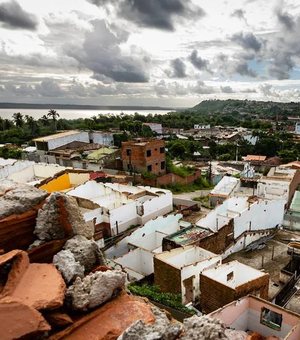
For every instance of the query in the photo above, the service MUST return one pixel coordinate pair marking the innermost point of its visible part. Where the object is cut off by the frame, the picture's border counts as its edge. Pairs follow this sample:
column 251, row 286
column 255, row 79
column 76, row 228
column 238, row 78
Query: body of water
column 73, row 114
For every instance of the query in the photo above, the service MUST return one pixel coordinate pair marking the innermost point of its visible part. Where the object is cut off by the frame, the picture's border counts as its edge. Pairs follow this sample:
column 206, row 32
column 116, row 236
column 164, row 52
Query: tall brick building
column 144, row 156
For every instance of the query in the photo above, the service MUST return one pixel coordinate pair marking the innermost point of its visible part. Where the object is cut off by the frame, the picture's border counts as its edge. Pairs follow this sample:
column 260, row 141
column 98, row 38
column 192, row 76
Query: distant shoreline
column 82, row 107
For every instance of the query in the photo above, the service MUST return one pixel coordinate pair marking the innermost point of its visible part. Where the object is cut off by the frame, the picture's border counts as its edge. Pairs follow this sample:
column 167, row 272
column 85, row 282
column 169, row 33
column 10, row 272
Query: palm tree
column 7, row 124
column 45, row 121
column 31, row 123
column 18, row 119
column 1, row 123
column 54, row 115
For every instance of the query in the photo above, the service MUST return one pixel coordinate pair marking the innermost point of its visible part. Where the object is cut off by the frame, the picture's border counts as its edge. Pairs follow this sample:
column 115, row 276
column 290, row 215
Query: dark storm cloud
column 202, row 88
column 226, row 89
column 198, row 62
column 13, row 16
column 102, row 55
column 239, row 13
column 158, row 14
column 248, row 41
column 178, row 69
column 285, row 19
column 243, row 69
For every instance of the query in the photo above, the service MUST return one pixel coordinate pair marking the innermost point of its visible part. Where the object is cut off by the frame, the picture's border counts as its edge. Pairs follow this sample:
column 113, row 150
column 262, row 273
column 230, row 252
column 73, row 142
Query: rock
column 86, row 252
column 59, row 320
column 49, row 223
column 161, row 330
column 19, row 320
column 40, row 286
column 68, row 266
column 110, row 320
column 204, row 328
column 94, row 289
column 76, row 218
column 61, row 217
column 19, row 198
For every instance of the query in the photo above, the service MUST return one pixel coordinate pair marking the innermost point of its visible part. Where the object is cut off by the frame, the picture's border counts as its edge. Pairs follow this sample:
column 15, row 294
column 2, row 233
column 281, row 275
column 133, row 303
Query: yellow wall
column 57, row 184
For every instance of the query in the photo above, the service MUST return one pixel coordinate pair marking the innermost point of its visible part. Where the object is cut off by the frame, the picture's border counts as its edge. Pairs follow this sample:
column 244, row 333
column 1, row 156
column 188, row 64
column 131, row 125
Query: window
column 162, row 150
column 128, row 152
column 148, row 153
column 271, row 319
column 229, row 276
column 149, row 168
column 163, row 165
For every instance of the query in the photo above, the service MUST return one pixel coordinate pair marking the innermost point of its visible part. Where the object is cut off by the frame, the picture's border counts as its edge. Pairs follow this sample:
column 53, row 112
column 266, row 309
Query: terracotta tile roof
column 255, row 158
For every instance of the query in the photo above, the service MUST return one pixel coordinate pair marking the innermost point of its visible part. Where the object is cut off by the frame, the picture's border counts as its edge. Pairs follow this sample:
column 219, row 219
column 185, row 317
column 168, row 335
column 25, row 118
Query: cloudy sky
column 148, row 52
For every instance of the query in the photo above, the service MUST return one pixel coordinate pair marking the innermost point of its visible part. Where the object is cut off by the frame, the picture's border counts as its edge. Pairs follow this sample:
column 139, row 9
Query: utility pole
column 130, row 165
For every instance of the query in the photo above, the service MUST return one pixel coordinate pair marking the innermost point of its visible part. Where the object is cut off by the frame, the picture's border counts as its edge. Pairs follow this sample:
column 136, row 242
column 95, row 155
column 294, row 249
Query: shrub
column 154, row 293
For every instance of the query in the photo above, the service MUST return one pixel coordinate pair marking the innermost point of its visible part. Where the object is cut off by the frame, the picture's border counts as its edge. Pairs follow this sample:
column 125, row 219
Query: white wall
column 157, row 206
column 17, row 166
column 102, row 138
column 241, row 274
column 195, row 270
column 151, row 242
column 263, row 214
column 225, row 186
column 243, row 242
column 272, row 189
column 138, row 260
column 168, row 225
column 47, row 170
column 81, row 136
column 125, row 215
column 78, row 178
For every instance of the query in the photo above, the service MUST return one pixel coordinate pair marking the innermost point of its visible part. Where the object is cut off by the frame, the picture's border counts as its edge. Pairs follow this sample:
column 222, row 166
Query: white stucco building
column 57, row 140
column 115, row 207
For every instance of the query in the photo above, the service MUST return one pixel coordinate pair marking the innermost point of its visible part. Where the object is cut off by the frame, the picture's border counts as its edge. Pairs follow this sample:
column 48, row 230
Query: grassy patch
column 154, row 293
column 200, row 184
column 204, row 200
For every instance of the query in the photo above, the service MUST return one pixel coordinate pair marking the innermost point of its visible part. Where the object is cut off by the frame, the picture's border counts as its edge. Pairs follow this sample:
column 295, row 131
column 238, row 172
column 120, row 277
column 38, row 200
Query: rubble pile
column 162, row 329
column 204, row 328
column 95, row 289
column 60, row 217
column 18, row 199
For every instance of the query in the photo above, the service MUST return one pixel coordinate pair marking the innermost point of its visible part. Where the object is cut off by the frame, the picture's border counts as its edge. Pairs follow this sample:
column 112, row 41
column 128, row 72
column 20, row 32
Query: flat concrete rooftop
column 272, row 267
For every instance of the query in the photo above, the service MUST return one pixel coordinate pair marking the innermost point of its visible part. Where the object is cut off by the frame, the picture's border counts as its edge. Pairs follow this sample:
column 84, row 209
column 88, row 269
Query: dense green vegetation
column 272, row 141
column 154, row 293
column 199, row 184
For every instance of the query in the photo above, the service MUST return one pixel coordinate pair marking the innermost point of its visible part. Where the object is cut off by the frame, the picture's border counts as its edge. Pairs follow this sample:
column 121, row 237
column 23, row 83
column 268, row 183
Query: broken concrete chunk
column 161, row 330
column 76, row 218
column 94, row 289
column 68, row 266
column 50, row 221
column 60, row 217
column 18, row 199
column 205, row 328
column 18, row 320
column 86, row 252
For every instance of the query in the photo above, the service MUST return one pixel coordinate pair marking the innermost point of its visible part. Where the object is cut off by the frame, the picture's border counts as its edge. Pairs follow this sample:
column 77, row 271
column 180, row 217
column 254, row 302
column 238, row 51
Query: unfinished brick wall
column 214, row 295
column 167, row 277
column 258, row 287
column 218, row 242
column 139, row 158
column 172, row 179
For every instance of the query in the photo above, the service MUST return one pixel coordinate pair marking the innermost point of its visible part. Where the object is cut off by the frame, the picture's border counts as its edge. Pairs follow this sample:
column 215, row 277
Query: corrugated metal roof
column 57, row 135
